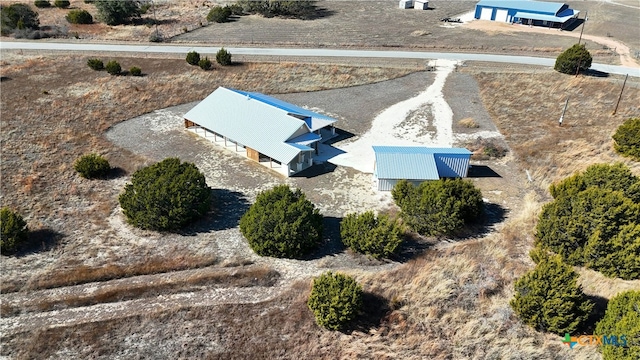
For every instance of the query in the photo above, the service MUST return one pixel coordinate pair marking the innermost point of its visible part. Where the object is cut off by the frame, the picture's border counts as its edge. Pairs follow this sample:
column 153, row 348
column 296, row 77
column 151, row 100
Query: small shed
column 421, row 5
column 405, row 4
column 417, row 164
column 538, row 13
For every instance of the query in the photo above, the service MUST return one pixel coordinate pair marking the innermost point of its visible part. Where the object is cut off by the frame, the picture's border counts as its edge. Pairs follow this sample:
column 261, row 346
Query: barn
column 537, row 13
column 279, row 135
column 417, row 164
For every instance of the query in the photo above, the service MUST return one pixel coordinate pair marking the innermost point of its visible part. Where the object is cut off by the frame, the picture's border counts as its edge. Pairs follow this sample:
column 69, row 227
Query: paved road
column 283, row 52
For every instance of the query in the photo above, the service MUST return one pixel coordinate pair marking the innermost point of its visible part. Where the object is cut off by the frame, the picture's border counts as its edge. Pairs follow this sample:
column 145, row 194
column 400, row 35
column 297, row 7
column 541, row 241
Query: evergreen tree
column 166, row 196
column 438, row 207
column 627, row 138
column 622, row 318
column 375, row 236
column 549, row 299
column 117, row 12
column 573, row 58
column 282, row 223
column 335, row 300
column 14, row 231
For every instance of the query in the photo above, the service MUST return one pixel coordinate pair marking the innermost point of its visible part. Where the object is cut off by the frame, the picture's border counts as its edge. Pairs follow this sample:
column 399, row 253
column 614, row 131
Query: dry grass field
column 448, row 303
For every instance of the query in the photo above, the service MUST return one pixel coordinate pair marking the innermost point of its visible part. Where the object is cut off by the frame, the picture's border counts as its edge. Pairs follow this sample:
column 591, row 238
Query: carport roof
column 566, row 15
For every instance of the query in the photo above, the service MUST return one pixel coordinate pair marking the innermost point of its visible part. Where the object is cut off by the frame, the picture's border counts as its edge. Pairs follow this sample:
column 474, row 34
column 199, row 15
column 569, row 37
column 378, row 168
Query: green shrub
column 62, row 4
column 79, row 17
column 549, row 299
column 438, row 207
column 219, row 14
column 95, row 64
column 622, row 318
column 42, row 3
column 117, row 12
column 135, row 71
column 92, row 166
column 17, row 17
column 335, row 300
column 616, row 177
column 627, row 138
column 14, row 231
column 113, row 67
column 193, row 58
column 282, row 223
column 376, row 236
column 572, row 58
column 567, row 224
column 205, row 64
column 223, row 57
column 166, row 196
column 236, row 9
column 300, row 9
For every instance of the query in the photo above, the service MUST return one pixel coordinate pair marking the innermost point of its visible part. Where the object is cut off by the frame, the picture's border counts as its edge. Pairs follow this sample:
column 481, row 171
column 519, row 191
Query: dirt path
column 425, row 119
column 496, row 27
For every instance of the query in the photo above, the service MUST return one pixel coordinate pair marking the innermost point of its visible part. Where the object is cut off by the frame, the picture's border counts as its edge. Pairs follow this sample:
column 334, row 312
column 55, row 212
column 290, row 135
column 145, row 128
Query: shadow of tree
column 39, row 240
column 228, row 207
column 600, row 307
column 332, row 243
column 413, row 246
column 374, row 310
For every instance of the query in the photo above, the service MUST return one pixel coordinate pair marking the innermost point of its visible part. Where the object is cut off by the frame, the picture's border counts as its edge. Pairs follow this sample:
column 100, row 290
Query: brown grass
column 549, row 151
column 44, row 133
column 145, row 287
column 468, row 123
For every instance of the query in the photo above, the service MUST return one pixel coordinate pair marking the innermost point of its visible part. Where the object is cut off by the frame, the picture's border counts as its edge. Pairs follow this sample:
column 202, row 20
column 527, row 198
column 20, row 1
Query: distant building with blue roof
column 277, row 134
column 528, row 12
column 417, row 164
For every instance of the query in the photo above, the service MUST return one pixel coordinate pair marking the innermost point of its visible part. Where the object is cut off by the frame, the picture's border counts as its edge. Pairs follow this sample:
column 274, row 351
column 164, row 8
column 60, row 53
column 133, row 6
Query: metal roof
column 313, row 120
column 410, row 162
column 550, row 8
column 526, row 15
column 419, row 150
column 252, row 121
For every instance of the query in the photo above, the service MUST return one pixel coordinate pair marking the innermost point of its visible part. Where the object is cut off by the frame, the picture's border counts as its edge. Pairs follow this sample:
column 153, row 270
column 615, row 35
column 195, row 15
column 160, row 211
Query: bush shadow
column 115, row 172
column 493, row 214
column 39, row 240
column 374, row 309
column 228, row 207
column 331, row 240
column 596, row 73
column 599, row 308
column 413, row 245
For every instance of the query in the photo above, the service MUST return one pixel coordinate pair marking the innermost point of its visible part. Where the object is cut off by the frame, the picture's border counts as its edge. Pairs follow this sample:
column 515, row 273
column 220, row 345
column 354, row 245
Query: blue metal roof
column 252, row 122
column 410, row 162
column 550, row 8
column 314, row 120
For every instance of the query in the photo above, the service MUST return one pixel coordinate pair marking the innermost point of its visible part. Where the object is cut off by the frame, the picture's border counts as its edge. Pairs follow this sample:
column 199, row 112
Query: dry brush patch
column 55, row 109
column 552, row 152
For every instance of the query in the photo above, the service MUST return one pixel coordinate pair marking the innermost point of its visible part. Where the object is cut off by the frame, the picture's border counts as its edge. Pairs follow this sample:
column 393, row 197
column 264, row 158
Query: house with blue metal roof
column 274, row 133
column 417, row 164
column 528, row 12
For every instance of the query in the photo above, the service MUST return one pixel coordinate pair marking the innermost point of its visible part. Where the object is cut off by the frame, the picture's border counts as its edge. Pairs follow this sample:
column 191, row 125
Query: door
column 501, row 15
column 485, row 13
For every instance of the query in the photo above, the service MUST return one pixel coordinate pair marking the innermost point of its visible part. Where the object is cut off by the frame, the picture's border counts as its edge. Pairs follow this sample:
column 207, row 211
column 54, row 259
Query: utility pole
column 620, row 96
column 563, row 111
column 582, row 28
column 155, row 19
